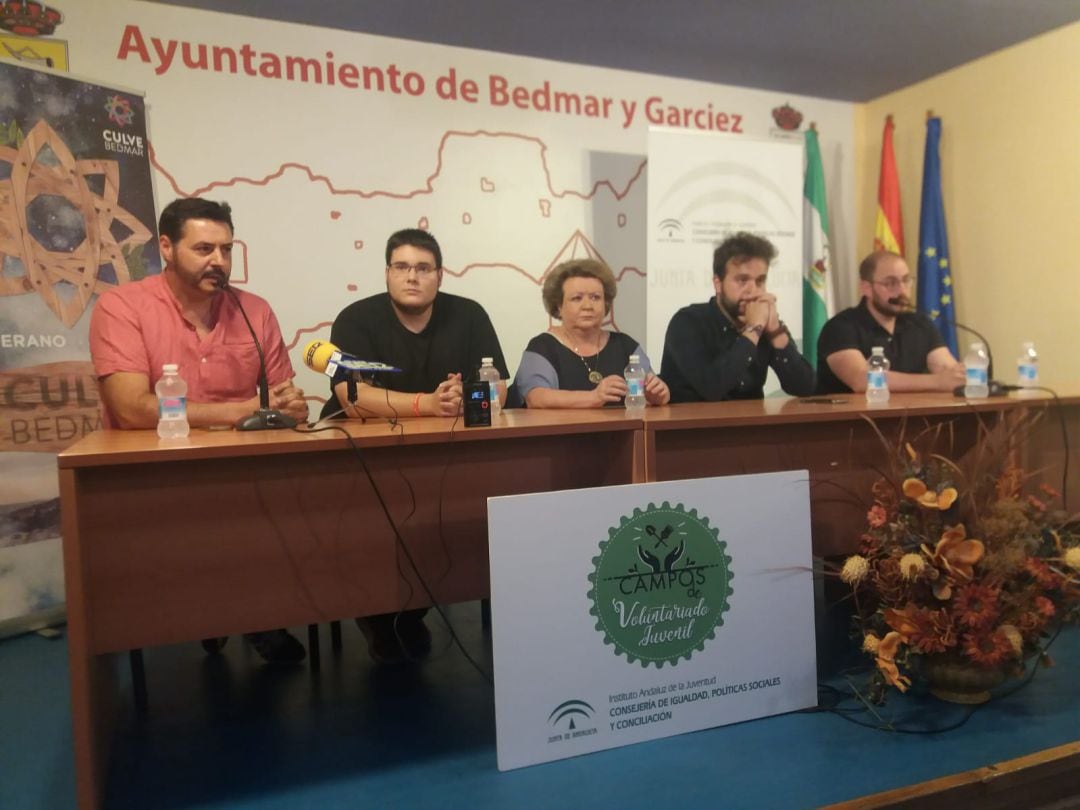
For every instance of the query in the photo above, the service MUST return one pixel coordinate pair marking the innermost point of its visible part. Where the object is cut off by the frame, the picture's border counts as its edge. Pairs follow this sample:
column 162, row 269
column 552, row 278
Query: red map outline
column 428, row 186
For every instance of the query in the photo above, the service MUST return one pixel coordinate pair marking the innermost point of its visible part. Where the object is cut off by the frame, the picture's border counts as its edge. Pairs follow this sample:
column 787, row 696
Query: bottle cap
column 487, row 361
column 170, row 368
column 878, row 350
column 635, row 358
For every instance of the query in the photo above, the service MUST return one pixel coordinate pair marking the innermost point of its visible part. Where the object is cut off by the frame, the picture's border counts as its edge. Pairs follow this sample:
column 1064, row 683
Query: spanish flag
column 889, row 229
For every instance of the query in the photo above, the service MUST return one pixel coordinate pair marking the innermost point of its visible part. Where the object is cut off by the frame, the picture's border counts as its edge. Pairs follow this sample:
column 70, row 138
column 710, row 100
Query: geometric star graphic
column 931, row 252
column 943, row 263
column 54, row 274
column 946, row 281
column 945, row 299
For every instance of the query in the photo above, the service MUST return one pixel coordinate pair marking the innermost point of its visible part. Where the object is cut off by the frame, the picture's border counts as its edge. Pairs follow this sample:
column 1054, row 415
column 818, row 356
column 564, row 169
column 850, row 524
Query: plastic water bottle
column 172, row 404
column 877, row 382
column 976, row 370
column 635, row 386
column 490, row 375
column 1027, row 366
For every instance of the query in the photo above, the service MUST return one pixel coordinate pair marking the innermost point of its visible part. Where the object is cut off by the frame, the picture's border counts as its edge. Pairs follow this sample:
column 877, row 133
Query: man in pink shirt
column 184, row 316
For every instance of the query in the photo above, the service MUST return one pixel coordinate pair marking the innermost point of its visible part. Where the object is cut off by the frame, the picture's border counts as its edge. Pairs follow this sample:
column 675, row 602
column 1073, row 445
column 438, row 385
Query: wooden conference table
column 226, row 532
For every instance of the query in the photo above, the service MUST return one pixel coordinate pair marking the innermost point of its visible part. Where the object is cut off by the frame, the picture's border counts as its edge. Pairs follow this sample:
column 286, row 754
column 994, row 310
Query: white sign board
column 629, row 613
column 703, row 188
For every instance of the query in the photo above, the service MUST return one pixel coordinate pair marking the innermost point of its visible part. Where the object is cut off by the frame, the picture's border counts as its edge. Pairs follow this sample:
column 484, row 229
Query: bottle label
column 1028, row 372
column 493, row 392
column 976, row 375
column 172, row 407
column 875, row 379
column 635, row 388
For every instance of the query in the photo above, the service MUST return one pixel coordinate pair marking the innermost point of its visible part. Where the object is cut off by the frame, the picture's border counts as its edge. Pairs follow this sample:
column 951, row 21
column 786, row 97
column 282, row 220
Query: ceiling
column 849, row 50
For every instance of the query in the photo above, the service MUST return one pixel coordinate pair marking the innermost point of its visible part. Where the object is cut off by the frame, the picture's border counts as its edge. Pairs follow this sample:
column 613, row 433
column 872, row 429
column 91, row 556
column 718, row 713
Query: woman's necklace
column 594, row 373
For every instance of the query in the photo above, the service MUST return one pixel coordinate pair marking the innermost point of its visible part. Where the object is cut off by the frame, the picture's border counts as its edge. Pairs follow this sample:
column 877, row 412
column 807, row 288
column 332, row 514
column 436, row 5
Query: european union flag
column 936, row 295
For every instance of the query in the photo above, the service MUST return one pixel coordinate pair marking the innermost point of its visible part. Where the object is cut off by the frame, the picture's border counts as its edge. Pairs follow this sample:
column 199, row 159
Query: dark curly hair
column 741, row 248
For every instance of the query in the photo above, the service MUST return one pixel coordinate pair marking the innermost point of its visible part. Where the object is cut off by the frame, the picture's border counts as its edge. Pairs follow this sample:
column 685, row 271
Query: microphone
column 996, row 389
column 266, row 418
column 326, row 358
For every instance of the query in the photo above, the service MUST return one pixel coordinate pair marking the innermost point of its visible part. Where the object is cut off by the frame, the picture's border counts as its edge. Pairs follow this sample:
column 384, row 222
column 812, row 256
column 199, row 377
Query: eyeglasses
column 423, row 270
column 894, row 284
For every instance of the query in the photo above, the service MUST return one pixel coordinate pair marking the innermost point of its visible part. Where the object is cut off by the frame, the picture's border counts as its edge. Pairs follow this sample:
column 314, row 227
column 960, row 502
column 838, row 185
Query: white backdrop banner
column 629, row 613
column 705, row 187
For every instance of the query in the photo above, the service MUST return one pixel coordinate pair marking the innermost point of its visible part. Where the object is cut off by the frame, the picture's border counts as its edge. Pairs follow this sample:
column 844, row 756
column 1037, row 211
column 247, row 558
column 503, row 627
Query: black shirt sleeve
column 837, row 334
column 932, row 335
column 794, row 371
column 349, row 332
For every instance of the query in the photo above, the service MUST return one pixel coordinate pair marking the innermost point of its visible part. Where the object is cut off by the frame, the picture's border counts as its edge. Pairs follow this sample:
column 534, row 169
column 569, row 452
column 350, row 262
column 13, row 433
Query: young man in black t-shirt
column 918, row 358
column 437, row 340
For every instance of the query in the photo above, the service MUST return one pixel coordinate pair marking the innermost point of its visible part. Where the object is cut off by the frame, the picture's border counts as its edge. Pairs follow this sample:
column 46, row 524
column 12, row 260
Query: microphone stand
column 995, row 388
column 265, row 418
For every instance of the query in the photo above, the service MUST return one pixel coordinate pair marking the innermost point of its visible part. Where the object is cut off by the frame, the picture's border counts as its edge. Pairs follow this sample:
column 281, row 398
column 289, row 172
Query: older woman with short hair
column 578, row 363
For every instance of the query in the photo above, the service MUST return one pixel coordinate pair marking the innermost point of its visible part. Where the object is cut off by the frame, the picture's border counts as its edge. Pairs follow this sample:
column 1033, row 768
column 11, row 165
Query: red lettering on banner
column 702, row 118
column 132, row 40
column 544, row 99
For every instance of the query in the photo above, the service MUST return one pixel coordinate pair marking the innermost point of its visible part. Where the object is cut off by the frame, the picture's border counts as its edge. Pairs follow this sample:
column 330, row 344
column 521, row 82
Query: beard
column 888, row 310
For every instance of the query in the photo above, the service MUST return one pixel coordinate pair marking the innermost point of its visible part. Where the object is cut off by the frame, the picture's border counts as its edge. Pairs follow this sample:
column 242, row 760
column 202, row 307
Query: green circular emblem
column 660, row 585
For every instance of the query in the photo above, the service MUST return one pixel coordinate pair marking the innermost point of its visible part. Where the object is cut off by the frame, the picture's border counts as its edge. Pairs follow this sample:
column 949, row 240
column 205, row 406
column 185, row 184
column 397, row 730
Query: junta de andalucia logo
column 660, row 585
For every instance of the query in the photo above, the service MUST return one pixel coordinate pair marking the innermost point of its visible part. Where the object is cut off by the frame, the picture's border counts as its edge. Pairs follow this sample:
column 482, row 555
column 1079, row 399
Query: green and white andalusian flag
column 818, row 287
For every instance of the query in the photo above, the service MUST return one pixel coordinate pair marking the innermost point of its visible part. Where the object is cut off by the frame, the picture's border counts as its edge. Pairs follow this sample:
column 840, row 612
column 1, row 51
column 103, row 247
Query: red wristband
column 416, row 404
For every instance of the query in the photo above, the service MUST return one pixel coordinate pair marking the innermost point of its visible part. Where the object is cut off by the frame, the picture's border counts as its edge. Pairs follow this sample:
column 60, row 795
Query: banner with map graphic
column 648, row 610
column 327, row 141
column 76, row 218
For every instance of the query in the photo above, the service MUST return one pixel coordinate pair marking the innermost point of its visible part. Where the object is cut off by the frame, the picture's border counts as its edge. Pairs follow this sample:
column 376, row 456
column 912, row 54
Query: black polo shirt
column 914, row 337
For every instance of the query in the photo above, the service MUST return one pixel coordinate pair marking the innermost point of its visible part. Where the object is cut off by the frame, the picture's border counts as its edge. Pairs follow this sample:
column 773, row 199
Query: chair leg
column 313, row 646
column 335, row 637
column 138, row 681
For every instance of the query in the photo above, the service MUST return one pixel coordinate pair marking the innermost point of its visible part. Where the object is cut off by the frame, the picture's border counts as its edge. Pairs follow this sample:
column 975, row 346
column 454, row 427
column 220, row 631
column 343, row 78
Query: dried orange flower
column 955, row 555
column 915, row 489
column 886, row 661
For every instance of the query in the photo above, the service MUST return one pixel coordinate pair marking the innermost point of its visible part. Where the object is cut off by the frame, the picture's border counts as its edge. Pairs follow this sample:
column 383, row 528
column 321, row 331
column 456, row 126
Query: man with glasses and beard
column 918, row 358
column 437, row 340
column 724, row 348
